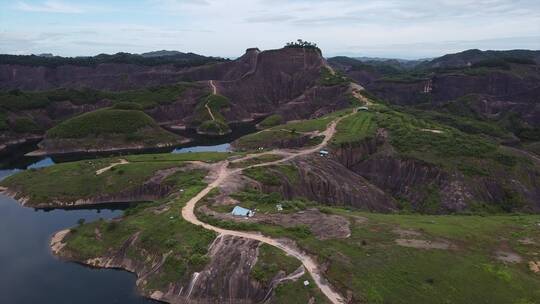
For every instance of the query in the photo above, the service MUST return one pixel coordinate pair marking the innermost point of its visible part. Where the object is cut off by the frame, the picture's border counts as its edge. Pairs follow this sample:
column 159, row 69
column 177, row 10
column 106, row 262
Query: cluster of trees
column 180, row 60
column 301, row 44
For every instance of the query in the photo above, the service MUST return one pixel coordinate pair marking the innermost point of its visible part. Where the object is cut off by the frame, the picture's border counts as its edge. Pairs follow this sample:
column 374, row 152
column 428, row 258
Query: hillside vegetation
column 101, row 122
column 16, row 100
column 159, row 234
column 64, row 182
column 422, row 259
column 298, row 133
column 177, row 59
column 106, row 128
column 209, row 115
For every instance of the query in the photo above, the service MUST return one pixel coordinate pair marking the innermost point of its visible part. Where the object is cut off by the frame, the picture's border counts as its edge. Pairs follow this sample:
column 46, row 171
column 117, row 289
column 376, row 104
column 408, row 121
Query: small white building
column 324, row 153
column 362, row 108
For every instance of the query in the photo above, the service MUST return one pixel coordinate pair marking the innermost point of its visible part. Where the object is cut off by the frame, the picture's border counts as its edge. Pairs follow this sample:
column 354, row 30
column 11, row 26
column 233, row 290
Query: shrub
column 272, row 120
column 332, row 78
column 25, row 125
column 127, row 106
column 3, row 121
column 300, row 231
column 214, row 127
column 112, row 226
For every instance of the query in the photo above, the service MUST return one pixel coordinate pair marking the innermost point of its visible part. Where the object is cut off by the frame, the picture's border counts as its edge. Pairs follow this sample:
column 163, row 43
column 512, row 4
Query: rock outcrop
column 226, row 278
column 328, row 182
column 420, row 184
column 151, row 190
column 283, row 81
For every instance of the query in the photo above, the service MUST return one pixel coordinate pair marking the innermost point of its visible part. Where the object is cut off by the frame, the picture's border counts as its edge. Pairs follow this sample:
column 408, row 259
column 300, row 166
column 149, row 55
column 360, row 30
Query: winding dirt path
column 214, row 91
column 209, row 111
column 103, row 170
column 222, row 172
column 213, row 86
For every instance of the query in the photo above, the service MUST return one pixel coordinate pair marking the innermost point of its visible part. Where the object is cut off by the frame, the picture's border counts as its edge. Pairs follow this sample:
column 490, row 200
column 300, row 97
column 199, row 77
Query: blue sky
column 390, row 28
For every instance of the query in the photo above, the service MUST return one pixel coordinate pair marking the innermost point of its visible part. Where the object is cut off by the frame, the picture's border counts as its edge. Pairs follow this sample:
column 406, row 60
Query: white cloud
column 49, row 7
column 226, row 27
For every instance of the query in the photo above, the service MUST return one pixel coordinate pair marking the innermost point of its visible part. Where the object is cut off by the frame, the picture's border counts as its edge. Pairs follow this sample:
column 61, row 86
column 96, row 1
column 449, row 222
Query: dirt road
column 222, row 172
column 213, row 86
column 214, row 91
column 103, row 170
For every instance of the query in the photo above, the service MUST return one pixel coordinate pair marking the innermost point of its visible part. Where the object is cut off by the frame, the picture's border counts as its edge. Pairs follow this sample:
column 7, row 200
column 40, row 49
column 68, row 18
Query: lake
column 30, row 273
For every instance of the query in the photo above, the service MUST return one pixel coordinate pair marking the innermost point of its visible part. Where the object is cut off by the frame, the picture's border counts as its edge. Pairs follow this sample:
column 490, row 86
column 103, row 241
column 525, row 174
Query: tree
column 301, row 44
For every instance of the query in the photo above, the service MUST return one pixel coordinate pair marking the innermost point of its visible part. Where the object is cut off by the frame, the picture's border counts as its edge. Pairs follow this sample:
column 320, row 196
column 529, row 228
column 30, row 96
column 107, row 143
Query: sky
column 388, row 28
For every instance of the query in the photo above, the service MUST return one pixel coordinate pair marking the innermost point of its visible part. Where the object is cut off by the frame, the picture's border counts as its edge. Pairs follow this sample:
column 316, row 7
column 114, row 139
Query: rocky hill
column 494, row 93
column 255, row 85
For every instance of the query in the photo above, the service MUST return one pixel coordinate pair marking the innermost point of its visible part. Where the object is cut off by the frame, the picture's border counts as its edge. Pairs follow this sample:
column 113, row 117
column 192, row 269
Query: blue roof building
column 239, row 211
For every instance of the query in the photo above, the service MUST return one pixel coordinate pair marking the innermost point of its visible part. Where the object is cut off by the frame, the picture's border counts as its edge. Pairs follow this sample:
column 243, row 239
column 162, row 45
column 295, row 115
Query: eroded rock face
column 226, row 278
column 498, row 92
column 419, row 182
column 283, row 81
column 413, row 180
column 150, row 190
column 328, row 182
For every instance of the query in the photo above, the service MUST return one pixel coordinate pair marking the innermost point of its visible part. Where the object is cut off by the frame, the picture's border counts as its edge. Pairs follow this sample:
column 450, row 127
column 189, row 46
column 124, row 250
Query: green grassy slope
column 107, row 128
column 161, row 234
column 288, row 131
column 78, row 180
column 101, row 122
column 216, row 125
column 354, row 128
column 271, row 121
column 374, row 268
column 428, row 140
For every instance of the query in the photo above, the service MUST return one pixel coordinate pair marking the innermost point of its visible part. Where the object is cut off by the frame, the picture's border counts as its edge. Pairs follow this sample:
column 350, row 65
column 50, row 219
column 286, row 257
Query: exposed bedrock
column 225, row 279
column 418, row 182
column 449, row 87
column 150, row 190
column 283, row 81
column 328, row 182
column 415, row 181
column 498, row 93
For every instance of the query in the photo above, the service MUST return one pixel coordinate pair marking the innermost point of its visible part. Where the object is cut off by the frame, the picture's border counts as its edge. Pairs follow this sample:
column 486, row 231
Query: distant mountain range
column 149, row 59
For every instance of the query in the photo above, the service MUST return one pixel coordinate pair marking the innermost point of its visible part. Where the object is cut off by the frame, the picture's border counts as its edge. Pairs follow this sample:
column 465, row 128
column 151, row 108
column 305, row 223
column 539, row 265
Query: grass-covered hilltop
column 402, row 209
column 107, row 129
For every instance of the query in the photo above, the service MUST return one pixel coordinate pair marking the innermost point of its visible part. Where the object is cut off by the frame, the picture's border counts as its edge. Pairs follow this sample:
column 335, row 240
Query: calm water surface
column 29, row 273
